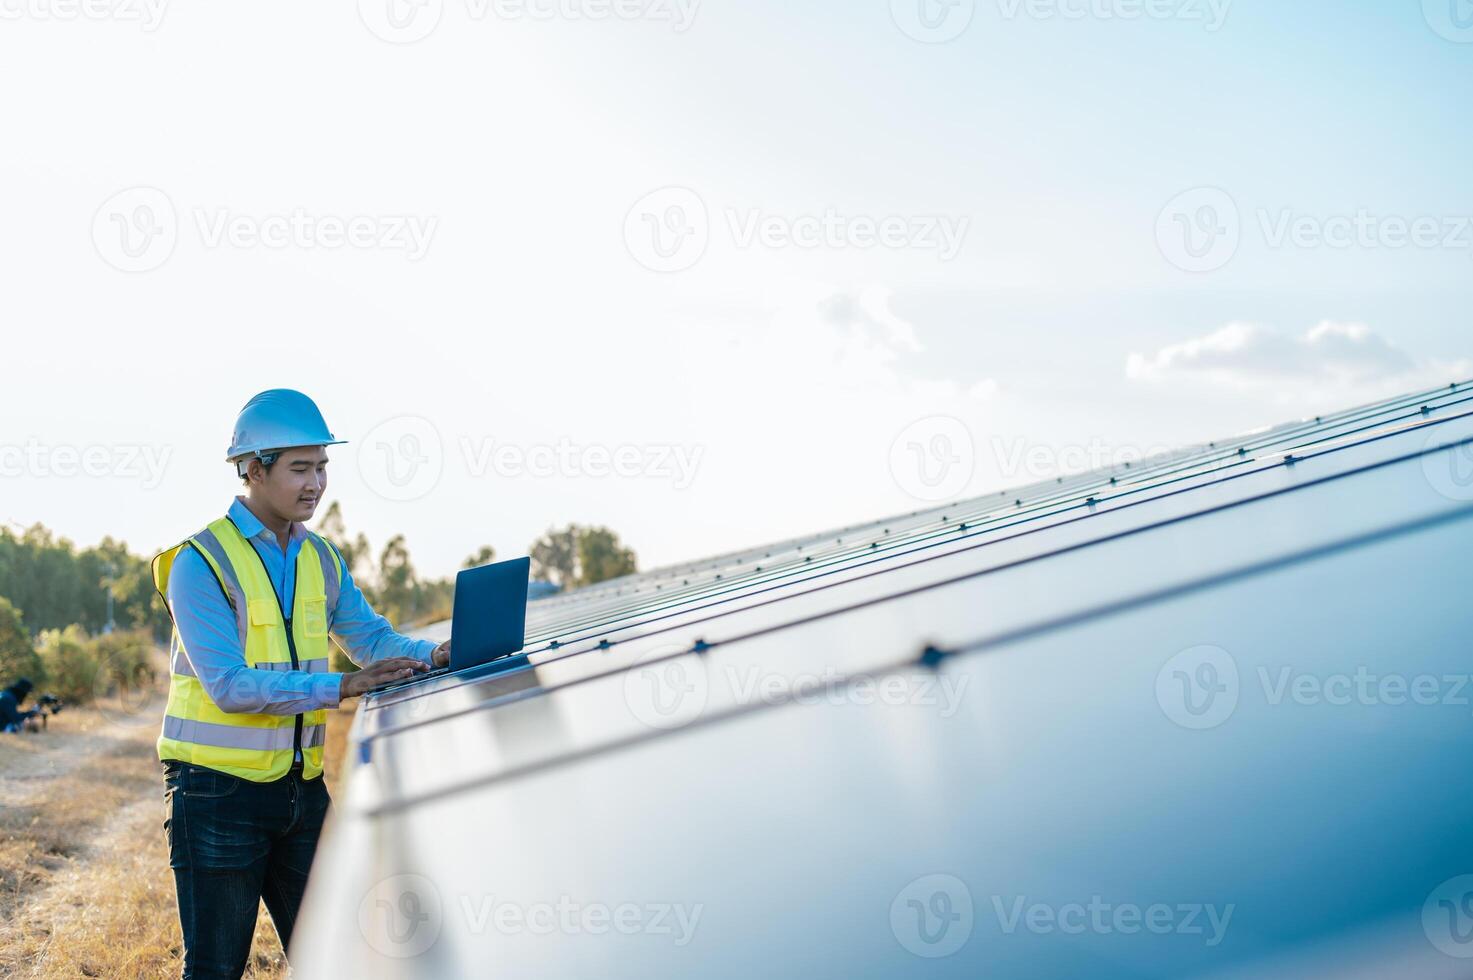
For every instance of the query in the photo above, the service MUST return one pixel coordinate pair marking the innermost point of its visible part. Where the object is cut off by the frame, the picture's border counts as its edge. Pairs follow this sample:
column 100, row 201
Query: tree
column 555, row 557
column 398, row 585
column 579, row 555
column 58, row 585
column 355, row 550
column 17, row 656
column 485, row 556
column 601, row 557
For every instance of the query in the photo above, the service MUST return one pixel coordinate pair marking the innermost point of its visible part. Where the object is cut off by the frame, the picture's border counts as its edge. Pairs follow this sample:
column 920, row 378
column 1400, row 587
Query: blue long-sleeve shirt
column 211, row 638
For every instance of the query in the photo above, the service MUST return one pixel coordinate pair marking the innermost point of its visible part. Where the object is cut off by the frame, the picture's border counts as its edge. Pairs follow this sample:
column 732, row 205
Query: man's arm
column 211, row 640
column 367, row 636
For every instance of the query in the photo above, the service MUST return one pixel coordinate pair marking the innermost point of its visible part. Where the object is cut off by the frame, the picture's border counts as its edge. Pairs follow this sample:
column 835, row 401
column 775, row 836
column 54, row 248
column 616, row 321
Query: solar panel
column 1115, row 724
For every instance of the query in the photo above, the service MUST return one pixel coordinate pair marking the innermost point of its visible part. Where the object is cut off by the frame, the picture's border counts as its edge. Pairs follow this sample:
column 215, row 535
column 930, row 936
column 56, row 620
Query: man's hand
column 441, row 656
column 379, row 673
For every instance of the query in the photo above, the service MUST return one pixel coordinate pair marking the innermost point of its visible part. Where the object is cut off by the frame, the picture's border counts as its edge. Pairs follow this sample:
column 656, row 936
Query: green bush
column 125, row 662
column 68, row 663
column 17, row 655
column 77, row 667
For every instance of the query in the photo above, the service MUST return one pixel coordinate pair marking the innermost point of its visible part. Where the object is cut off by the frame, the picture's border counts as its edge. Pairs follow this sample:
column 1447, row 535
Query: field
column 85, row 886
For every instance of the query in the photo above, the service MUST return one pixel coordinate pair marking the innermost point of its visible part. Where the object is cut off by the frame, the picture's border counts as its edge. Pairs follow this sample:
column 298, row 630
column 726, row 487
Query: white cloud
column 1330, row 360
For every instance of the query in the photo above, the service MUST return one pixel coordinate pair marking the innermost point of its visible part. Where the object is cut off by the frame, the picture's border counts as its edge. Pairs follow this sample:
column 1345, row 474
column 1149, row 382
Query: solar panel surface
column 1116, row 724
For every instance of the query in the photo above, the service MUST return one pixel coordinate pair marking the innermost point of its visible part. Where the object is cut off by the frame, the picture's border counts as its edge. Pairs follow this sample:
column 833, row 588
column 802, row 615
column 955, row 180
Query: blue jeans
column 232, row 844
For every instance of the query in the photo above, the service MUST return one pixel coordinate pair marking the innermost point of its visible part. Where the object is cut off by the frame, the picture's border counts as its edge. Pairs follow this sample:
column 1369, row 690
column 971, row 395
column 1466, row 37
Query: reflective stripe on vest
column 259, row 747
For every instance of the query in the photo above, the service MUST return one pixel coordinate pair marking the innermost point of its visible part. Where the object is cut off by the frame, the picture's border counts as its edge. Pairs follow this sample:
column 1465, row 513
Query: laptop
column 489, row 621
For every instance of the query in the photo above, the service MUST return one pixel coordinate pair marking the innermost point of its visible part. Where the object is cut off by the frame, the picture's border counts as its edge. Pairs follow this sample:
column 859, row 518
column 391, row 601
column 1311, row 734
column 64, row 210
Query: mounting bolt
column 932, row 656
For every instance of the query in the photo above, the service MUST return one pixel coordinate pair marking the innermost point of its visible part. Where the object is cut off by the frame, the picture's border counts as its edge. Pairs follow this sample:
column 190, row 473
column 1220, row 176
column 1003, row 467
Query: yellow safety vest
column 257, row 747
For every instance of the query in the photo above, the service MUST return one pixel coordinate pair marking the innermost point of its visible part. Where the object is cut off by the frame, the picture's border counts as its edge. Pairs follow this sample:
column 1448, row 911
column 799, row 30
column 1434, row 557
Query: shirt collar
column 251, row 527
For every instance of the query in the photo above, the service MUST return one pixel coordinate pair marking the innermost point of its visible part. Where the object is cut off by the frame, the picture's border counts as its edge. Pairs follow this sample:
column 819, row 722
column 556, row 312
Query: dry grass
column 85, row 885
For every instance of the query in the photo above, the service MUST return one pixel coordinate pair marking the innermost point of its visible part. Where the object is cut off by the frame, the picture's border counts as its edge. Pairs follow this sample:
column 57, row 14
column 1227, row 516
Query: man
column 253, row 596
column 12, row 718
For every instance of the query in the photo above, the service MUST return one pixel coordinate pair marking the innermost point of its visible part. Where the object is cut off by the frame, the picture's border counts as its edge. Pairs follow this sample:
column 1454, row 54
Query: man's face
column 295, row 485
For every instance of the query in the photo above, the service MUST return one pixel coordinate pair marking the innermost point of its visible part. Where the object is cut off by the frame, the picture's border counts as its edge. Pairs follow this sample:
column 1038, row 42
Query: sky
column 708, row 272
